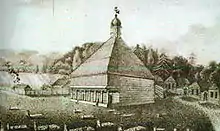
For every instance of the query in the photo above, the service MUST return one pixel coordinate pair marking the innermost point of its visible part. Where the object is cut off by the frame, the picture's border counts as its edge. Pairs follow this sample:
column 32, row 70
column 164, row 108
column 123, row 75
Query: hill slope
column 69, row 61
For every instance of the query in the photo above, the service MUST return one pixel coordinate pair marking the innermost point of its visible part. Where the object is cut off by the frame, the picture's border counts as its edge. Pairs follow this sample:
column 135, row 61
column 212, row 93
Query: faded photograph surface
column 109, row 65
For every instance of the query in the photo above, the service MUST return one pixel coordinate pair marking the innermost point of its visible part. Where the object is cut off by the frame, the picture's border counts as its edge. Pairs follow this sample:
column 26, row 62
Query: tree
column 155, row 55
column 37, row 69
column 212, row 65
column 163, row 67
column 44, row 68
column 140, row 53
column 149, row 57
column 22, row 66
column 198, row 70
column 192, row 58
column 78, row 57
column 206, row 72
column 45, row 87
column 182, row 68
column 10, row 69
column 215, row 76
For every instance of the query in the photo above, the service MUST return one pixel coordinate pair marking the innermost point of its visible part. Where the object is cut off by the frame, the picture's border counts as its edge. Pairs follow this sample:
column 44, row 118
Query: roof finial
column 117, row 11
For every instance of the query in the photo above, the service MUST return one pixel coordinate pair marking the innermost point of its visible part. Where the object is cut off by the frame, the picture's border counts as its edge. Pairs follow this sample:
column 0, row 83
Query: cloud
column 202, row 40
column 164, row 45
column 34, row 3
column 32, row 25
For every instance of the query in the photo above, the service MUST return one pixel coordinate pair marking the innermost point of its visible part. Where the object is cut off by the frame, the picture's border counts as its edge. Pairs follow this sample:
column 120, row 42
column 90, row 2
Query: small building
column 194, row 90
column 21, row 89
column 213, row 94
column 170, row 84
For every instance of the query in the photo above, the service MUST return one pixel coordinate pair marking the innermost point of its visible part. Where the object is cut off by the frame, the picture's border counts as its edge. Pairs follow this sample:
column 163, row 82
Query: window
column 216, row 94
column 83, row 95
column 197, row 91
column 76, row 96
column 211, row 94
column 192, row 92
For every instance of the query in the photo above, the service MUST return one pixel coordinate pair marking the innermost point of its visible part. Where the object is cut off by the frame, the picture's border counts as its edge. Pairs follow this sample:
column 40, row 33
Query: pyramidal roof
column 113, row 57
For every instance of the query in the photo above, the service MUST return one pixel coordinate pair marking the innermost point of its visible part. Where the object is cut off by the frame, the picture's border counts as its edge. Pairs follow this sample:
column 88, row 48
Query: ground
column 165, row 113
column 210, row 109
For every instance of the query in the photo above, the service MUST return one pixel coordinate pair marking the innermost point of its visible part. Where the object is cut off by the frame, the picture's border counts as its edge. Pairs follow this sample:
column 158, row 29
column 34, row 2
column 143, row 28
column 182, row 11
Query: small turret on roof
column 115, row 29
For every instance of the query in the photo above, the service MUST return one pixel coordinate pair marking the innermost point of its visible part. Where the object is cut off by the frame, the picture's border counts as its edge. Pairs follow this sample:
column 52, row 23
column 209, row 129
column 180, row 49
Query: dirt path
column 213, row 114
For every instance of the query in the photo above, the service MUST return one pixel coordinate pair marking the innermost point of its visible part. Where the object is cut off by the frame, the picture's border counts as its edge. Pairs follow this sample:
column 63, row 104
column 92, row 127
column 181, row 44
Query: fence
column 47, row 92
column 163, row 129
column 159, row 91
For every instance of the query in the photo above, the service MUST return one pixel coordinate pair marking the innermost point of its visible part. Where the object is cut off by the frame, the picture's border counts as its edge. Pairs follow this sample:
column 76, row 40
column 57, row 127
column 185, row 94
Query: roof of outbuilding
column 170, row 79
column 194, row 85
column 31, row 79
column 213, row 87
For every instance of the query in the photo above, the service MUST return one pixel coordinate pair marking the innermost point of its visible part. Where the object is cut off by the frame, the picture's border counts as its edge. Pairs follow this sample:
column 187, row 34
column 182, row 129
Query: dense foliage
column 179, row 67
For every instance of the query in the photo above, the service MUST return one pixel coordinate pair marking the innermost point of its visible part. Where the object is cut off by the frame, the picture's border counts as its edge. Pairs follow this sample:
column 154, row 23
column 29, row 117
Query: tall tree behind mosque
column 215, row 74
column 150, row 58
column 163, row 67
column 140, row 53
column 206, row 72
column 182, row 68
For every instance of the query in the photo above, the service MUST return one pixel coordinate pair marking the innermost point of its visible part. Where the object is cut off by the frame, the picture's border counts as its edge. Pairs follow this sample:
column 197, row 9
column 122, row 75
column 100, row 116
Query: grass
column 172, row 115
column 61, row 110
column 210, row 105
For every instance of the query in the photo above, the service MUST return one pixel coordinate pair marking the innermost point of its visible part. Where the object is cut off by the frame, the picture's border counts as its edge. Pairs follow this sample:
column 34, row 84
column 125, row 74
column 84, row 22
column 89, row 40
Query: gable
column 170, row 80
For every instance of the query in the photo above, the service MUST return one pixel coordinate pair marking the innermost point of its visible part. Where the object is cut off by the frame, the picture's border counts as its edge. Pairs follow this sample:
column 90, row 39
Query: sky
column 178, row 27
